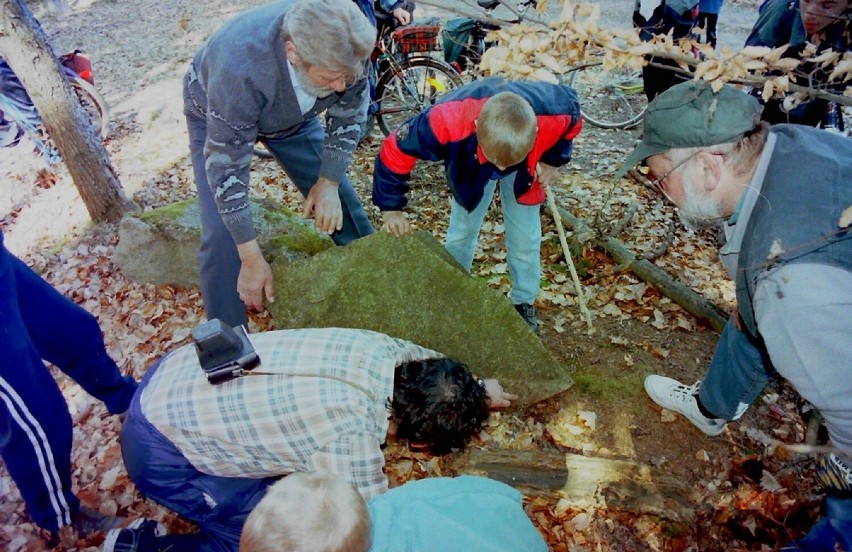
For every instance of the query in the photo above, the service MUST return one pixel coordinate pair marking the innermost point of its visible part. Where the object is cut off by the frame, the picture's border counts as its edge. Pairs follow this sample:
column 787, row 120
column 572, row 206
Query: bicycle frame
column 391, row 65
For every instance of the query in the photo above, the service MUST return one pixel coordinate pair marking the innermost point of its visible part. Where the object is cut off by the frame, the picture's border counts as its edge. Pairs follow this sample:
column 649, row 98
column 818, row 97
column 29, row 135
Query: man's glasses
column 656, row 184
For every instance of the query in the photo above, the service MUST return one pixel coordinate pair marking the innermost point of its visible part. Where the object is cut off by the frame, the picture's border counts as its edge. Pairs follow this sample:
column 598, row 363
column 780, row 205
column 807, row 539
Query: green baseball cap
column 691, row 115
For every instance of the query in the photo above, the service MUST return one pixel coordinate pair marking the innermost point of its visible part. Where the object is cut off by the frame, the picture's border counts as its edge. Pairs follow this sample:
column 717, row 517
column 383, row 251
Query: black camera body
column 224, row 352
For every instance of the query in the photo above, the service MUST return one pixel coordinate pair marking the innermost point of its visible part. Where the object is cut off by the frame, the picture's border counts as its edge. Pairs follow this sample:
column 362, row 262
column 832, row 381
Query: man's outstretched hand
column 324, row 202
column 497, row 397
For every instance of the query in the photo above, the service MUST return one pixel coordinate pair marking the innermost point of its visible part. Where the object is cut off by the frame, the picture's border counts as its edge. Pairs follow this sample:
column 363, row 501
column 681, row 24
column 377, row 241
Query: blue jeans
column 37, row 322
column 522, row 225
column 739, row 371
column 299, row 152
column 219, row 505
column 832, row 532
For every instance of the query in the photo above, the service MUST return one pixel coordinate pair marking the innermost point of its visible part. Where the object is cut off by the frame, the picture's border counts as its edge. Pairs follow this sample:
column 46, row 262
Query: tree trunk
column 25, row 47
column 621, row 484
column 701, row 308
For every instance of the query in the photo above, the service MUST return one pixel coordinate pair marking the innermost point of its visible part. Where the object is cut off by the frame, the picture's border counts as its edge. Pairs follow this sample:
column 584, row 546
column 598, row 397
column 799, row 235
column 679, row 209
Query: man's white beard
column 698, row 212
column 306, row 85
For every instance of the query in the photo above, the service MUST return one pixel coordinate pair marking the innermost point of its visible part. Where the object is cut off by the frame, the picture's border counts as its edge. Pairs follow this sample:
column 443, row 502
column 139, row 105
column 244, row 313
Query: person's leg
column 740, row 369
column 35, row 426
column 218, row 260
column 463, row 231
column 832, row 532
column 300, row 154
column 522, row 225
column 219, row 505
column 702, row 22
column 712, row 21
column 66, row 335
column 738, row 372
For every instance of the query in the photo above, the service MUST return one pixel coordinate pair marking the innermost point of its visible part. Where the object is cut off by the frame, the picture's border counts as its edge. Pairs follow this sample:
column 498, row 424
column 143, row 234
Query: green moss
column 167, row 215
column 626, row 386
column 305, row 242
column 275, row 217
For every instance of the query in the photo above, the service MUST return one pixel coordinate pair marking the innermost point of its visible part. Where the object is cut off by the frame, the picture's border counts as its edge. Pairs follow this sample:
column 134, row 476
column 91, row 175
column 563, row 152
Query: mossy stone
column 411, row 288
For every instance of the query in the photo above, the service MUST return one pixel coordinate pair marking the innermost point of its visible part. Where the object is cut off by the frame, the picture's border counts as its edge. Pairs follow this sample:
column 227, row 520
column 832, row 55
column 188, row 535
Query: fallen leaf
column 769, row 483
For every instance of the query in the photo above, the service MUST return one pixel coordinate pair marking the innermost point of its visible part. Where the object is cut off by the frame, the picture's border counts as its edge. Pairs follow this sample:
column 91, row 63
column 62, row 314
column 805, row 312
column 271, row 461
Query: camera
column 224, row 352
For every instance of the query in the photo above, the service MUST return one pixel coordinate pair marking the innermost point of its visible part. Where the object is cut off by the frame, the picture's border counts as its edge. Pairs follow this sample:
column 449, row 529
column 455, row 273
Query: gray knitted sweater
column 239, row 82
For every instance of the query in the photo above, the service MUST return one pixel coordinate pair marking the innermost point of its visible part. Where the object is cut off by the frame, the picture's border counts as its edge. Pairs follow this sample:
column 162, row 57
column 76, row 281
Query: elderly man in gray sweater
column 266, row 75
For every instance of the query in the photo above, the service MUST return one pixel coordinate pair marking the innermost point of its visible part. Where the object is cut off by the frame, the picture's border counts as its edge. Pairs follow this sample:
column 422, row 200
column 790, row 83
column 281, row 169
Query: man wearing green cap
column 784, row 198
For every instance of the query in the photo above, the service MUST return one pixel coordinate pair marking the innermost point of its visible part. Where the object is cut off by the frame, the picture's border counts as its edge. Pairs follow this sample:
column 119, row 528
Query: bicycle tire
column 409, row 87
column 93, row 104
column 609, row 99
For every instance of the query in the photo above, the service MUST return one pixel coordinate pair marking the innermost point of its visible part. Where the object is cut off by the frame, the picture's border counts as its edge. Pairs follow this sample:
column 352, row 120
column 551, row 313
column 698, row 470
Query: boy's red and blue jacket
column 447, row 132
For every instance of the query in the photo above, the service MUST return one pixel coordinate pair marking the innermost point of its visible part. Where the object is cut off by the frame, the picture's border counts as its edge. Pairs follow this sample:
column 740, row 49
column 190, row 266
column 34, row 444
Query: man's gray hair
column 332, row 34
column 741, row 156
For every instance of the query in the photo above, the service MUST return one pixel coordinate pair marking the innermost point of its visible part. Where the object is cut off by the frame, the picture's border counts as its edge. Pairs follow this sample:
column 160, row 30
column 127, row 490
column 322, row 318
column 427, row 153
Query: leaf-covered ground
column 746, row 491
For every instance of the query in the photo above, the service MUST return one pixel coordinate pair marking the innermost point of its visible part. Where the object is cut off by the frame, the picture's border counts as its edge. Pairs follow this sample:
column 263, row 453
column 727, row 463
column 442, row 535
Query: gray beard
column 305, row 84
column 697, row 223
column 699, row 213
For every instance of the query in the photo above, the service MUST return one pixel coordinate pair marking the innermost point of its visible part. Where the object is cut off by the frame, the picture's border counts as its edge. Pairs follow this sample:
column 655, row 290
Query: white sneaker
column 680, row 398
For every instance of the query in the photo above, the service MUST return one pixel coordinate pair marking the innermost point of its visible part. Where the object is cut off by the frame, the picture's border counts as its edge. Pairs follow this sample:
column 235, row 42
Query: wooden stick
column 554, row 211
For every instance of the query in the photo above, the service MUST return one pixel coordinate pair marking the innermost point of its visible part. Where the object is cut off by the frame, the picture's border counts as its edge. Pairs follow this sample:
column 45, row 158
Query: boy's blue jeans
column 522, row 225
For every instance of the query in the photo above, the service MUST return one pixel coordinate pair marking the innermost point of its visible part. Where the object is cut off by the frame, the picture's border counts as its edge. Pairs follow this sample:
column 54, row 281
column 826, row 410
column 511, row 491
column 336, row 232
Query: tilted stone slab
column 411, row 288
column 161, row 246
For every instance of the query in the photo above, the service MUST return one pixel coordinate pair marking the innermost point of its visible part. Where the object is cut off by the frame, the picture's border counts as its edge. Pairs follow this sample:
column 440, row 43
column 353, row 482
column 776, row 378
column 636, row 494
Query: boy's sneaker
column 683, row 399
column 529, row 315
column 139, row 536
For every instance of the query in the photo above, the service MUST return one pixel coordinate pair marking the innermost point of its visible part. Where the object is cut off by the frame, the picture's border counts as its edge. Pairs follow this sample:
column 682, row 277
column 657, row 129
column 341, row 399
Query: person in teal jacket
column 322, row 513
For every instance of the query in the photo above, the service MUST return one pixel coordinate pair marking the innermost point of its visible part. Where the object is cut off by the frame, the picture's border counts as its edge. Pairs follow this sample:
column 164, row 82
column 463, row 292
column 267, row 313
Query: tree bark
column 24, row 45
column 701, row 308
column 621, row 484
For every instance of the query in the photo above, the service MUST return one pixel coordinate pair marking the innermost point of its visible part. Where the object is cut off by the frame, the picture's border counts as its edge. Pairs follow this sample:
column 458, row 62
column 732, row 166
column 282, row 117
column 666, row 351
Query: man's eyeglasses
column 656, row 184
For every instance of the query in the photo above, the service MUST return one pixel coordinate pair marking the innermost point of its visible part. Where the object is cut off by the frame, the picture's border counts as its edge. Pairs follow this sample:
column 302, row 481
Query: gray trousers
column 299, row 152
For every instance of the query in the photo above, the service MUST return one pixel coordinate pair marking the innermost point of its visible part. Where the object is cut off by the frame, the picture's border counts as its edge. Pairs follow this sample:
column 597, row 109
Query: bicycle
column 19, row 116
column 410, row 78
column 609, row 99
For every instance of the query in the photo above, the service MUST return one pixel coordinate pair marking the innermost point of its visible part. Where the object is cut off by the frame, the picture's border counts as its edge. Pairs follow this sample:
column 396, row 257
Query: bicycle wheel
column 609, row 99
column 408, row 88
column 93, row 104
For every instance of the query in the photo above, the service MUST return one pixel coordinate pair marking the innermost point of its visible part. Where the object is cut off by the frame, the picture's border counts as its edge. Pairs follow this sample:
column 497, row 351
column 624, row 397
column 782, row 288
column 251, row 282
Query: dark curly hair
column 437, row 402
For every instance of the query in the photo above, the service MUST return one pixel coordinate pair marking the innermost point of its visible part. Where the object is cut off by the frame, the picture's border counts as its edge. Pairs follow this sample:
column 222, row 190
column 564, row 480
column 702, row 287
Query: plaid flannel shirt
column 327, row 411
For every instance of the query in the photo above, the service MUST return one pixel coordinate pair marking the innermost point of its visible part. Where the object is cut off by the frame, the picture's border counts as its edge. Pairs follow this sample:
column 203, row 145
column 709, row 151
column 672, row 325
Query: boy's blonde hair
column 506, row 129
column 308, row 512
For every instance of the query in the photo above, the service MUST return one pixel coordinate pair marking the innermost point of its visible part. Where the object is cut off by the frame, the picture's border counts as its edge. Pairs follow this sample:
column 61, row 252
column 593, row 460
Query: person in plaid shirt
column 326, row 402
